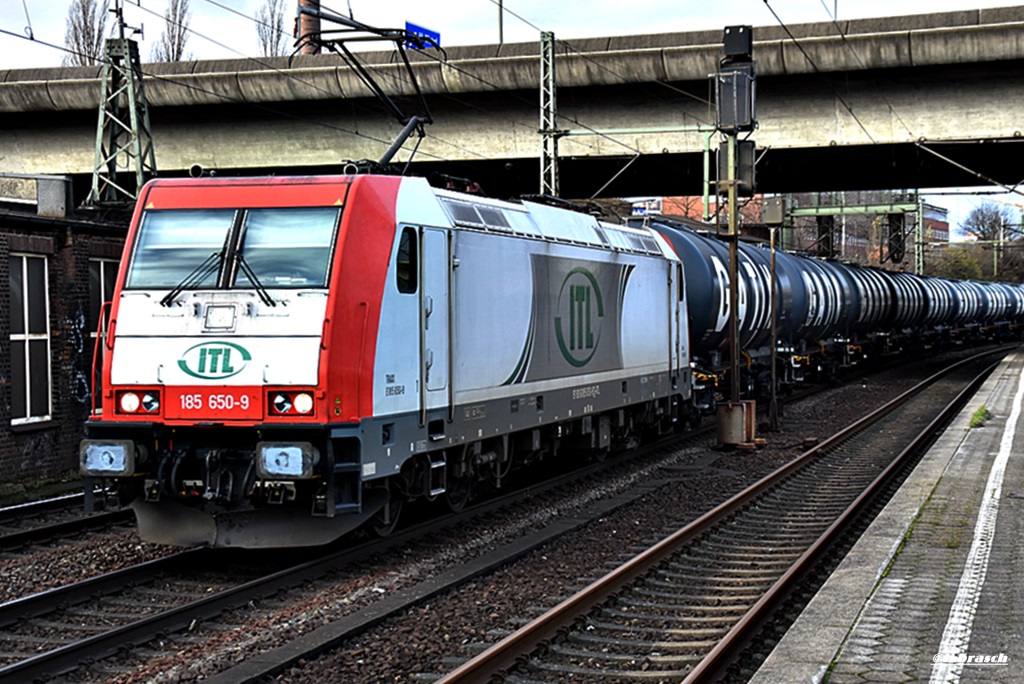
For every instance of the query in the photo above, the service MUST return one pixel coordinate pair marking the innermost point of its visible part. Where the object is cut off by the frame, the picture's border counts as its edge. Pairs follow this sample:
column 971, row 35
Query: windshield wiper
column 201, row 272
column 260, row 290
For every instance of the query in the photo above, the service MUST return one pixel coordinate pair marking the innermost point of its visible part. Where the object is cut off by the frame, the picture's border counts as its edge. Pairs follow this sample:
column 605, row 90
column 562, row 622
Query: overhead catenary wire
column 270, row 110
column 392, row 76
column 398, row 77
column 637, row 153
column 818, row 71
column 316, row 87
column 489, row 84
column 260, row 62
column 919, row 143
column 631, row 148
column 28, row 21
column 205, row 91
column 856, row 56
column 570, row 47
column 172, row 80
column 987, row 179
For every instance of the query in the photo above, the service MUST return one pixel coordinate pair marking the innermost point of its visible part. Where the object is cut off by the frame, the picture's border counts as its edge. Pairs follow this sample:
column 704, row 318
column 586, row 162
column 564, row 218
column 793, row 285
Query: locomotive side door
column 681, row 327
column 435, row 319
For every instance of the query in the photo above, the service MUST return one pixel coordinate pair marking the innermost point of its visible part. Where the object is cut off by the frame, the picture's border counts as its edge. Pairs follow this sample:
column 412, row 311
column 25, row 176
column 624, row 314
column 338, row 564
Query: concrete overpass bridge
column 859, row 104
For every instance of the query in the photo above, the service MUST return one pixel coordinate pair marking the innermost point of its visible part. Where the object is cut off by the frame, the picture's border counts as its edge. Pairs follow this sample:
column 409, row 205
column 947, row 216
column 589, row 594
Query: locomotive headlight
column 130, row 402
column 106, row 457
column 286, row 460
column 282, row 403
column 303, row 402
column 151, row 402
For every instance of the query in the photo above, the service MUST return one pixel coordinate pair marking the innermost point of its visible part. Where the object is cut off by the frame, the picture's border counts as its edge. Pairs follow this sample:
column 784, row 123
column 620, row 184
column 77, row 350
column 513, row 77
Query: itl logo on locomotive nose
column 214, row 360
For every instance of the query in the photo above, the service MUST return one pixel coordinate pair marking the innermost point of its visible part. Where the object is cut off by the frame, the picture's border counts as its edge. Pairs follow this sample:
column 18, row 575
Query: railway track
column 52, row 519
column 685, row 608
column 59, row 630
column 56, row 631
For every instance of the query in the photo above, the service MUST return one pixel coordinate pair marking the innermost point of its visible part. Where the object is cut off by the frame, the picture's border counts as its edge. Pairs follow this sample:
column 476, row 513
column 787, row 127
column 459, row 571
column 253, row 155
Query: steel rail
column 44, row 602
column 714, row 664
column 506, row 653
column 65, row 658
column 29, row 508
column 33, row 535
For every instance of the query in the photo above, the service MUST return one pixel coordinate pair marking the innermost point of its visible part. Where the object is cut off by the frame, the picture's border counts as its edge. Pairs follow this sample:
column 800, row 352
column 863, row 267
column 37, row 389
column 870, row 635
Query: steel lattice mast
column 548, row 117
column 124, row 140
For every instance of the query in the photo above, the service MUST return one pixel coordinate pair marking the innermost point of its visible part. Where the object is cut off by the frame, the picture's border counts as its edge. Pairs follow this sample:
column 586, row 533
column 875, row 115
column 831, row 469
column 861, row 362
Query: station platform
column 933, row 591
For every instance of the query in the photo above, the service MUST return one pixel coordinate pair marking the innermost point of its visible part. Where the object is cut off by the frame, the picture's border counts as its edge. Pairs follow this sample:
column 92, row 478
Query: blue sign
column 422, row 33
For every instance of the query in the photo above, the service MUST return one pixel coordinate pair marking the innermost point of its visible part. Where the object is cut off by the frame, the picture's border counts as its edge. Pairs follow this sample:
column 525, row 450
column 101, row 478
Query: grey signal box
column 735, row 82
column 744, row 171
column 734, row 97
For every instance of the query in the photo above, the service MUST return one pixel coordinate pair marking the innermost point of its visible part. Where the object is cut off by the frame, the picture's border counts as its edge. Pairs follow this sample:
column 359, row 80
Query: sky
column 225, row 28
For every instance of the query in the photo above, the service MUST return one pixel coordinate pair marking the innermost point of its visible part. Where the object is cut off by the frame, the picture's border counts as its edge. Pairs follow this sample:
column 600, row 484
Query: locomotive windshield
column 203, row 248
column 172, row 244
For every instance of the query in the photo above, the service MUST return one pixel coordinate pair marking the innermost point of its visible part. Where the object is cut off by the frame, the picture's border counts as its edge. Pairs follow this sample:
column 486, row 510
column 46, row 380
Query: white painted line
column 957, row 634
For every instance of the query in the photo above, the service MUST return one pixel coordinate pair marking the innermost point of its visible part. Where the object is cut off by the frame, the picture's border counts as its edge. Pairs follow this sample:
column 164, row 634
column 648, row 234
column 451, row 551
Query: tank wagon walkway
column 932, row 591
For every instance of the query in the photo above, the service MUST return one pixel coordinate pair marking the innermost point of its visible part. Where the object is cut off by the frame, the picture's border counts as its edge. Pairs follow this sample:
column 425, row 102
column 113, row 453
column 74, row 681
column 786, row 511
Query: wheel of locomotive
column 386, row 520
column 458, row 492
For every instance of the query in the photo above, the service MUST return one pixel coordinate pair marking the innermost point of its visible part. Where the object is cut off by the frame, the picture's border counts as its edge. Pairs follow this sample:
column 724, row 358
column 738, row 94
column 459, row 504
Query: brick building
column 59, row 269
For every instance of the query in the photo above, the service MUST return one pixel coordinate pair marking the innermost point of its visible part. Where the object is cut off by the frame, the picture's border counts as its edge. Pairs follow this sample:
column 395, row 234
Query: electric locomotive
column 290, row 358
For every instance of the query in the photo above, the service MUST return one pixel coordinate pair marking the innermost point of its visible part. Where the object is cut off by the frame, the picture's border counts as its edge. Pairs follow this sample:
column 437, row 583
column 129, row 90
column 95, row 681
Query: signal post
column 734, row 86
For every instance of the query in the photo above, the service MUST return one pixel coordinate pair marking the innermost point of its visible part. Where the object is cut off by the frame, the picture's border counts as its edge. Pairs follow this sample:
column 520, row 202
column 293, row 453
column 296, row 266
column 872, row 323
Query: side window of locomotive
column 173, row 243
column 405, row 264
column 288, row 247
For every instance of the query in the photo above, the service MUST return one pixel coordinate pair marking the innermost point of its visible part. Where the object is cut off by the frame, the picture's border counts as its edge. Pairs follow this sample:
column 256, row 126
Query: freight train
column 288, row 359
column 830, row 314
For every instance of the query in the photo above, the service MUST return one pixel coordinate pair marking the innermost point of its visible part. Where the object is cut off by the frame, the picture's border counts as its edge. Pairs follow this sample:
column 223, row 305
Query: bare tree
column 84, row 33
column 990, row 221
column 270, row 28
column 171, row 46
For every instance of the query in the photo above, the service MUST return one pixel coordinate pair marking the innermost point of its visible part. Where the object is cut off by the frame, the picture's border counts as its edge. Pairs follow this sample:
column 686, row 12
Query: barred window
column 102, row 275
column 30, row 339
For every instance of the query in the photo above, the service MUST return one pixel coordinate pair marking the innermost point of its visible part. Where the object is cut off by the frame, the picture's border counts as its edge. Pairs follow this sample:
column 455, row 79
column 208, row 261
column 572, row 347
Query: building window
column 30, row 339
column 102, row 275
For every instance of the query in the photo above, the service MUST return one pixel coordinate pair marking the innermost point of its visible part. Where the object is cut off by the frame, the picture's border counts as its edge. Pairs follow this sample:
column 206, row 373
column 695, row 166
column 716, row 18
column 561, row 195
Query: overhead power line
column 818, row 71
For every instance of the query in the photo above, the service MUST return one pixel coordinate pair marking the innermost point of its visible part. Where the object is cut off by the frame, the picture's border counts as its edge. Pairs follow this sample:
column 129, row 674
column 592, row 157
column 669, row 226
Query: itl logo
column 580, row 309
column 214, row 360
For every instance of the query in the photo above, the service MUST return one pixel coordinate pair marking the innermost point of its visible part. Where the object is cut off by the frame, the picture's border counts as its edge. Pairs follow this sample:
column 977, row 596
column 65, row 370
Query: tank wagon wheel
column 459, row 492
column 391, row 513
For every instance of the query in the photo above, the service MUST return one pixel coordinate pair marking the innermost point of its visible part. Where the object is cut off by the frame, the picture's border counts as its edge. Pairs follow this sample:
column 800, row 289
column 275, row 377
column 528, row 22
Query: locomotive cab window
column 176, row 242
column 228, row 248
column 405, row 264
column 288, row 247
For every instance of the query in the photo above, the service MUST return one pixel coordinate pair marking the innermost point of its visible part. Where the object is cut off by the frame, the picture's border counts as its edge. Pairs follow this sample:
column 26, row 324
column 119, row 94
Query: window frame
column 104, row 263
column 407, row 269
column 229, row 275
column 28, row 337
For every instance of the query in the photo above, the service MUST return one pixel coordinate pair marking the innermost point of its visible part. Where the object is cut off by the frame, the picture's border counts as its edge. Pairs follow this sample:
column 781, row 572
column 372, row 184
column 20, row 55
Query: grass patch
column 980, row 416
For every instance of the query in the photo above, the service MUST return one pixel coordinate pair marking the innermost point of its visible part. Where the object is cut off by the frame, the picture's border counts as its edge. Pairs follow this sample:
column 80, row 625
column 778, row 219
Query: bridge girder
column 953, row 82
